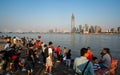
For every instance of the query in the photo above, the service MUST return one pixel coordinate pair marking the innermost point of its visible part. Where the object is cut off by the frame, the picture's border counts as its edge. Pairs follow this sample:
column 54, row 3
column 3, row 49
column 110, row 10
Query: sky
column 42, row 15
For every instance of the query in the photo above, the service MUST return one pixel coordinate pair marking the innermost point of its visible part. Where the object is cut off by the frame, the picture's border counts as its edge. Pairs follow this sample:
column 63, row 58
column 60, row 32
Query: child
column 96, row 66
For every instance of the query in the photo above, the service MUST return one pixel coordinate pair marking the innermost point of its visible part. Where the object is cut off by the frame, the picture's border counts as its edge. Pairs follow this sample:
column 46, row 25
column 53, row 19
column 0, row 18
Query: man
column 14, row 42
column 106, row 59
column 58, row 53
column 81, row 62
column 8, row 44
column 49, row 63
column 68, row 58
column 30, row 60
column 44, row 53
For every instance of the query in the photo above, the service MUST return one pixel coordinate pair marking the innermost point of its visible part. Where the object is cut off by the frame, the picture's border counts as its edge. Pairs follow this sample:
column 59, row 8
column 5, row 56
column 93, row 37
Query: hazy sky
column 42, row 15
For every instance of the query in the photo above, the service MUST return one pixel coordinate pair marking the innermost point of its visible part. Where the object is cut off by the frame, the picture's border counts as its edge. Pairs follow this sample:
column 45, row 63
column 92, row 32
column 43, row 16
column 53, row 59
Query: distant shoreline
column 107, row 33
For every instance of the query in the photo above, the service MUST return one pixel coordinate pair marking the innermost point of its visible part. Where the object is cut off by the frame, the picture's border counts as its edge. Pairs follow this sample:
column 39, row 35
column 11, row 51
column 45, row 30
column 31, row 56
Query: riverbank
column 59, row 68
column 58, row 33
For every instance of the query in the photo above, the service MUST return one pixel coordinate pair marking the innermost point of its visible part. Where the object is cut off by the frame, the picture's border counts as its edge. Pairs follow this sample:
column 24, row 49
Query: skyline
column 43, row 15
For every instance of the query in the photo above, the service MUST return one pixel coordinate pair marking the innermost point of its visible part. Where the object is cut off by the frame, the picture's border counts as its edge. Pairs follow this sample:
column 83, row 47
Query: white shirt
column 49, row 51
column 7, row 46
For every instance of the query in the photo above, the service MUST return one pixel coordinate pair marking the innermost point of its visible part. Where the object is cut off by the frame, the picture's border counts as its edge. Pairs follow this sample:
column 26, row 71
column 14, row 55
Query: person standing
column 14, row 42
column 82, row 65
column 64, row 54
column 68, row 59
column 44, row 53
column 49, row 61
column 58, row 53
column 90, row 54
column 30, row 60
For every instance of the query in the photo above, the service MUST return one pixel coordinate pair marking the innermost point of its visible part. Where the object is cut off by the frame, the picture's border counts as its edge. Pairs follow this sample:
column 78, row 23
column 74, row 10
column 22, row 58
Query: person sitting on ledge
column 105, row 61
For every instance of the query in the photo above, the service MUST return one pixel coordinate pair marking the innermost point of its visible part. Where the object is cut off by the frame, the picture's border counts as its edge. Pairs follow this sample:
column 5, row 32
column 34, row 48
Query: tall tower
column 73, row 29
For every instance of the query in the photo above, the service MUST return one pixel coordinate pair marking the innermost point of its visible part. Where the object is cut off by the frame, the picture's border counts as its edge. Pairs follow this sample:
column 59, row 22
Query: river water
column 77, row 41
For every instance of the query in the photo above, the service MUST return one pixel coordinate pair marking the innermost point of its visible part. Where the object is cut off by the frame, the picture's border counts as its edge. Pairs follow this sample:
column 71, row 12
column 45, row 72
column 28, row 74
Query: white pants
column 68, row 62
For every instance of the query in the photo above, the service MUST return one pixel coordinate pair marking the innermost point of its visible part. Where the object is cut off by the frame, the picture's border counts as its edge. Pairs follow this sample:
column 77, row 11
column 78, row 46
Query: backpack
column 46, row 52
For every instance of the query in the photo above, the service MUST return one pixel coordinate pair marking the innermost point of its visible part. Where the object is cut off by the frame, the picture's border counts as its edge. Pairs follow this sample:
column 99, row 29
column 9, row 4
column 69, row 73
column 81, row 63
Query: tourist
column 96, row 66
column 8, row 44
column 8, row 39
column 90, row 54
column 36, row 57
column 64, row 54
column 68, row 58
column 14, row 42
column 105, row 61
column 30, row 60
column 37, row 44
column 58, row 53
column 49, row 61
column 22, row 63
column 82, row 65
column 45, row 48
column 24, row 41
column 108, row 51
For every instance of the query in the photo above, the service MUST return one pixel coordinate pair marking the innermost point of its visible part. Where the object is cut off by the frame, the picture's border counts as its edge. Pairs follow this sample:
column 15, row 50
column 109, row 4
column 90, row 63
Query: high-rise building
column 86, row 29
column 102, row 30
column 56, row 30
column 97, row 29
column 73, row 29
column 118, row 29
column 92, row 29
column 113, row 30
column 80, row 28
column 51, row 31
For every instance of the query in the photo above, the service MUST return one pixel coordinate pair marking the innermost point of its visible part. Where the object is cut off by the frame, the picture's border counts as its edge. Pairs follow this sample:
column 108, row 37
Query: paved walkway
column 59, row 68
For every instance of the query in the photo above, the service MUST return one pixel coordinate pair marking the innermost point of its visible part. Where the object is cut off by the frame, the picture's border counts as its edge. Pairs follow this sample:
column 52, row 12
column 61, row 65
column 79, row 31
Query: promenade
column 59, row 68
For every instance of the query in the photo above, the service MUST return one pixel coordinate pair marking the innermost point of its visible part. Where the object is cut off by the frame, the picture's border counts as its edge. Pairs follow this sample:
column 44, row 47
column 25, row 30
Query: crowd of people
column 15, row 57
column 12, row 59
column 88, row 64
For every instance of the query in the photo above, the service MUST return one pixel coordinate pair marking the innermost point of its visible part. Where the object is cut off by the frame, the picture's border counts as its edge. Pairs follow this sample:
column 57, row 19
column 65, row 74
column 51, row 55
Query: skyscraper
column 97, row 29
column 92, row 29
column 80, row 28
column 113, row 30
column 118, row 29
column 86, row 29
column 73, row 29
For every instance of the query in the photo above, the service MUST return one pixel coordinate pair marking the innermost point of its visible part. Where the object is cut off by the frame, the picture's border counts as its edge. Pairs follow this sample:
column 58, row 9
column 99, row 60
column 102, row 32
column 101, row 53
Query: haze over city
column 42, row 15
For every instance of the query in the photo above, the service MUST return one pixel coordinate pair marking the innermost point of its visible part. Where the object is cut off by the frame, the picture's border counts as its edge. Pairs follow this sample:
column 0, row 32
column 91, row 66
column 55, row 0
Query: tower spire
column 73, row 23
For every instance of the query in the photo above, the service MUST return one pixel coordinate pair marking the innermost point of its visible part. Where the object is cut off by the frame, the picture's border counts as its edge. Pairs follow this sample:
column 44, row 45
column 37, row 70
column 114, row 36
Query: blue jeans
column 101, row 65
column 68, row 62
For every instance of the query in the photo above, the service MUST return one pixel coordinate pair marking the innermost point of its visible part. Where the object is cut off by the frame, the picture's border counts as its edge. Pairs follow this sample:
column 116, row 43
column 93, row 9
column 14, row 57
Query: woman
column 68, row 59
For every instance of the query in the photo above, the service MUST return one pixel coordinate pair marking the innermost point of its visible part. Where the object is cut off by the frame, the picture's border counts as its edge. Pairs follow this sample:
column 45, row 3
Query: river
column 77, row 41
